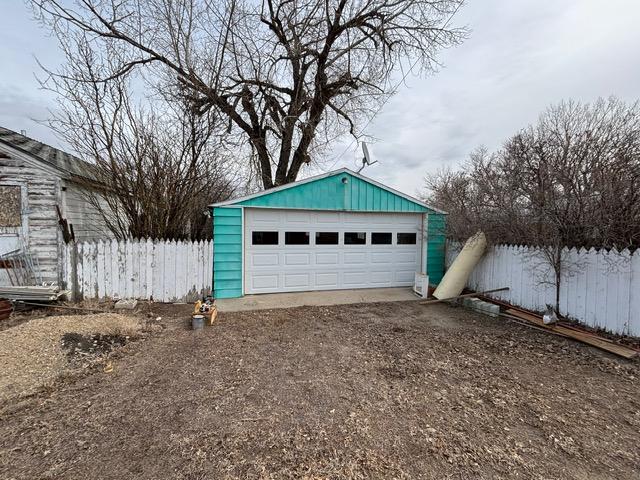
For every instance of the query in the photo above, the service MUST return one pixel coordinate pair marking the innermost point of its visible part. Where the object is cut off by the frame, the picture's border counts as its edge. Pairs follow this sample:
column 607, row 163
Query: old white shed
column 35, row 178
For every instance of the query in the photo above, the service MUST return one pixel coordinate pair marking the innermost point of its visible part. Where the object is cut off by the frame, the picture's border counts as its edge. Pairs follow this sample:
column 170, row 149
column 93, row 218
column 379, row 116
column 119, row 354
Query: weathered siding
column 41, row 232
column 87, row 221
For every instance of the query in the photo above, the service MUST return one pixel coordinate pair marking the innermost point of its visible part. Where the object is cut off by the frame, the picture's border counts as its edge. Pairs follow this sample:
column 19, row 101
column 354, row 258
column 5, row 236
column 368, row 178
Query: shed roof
column 66, row 163
column 301, row 194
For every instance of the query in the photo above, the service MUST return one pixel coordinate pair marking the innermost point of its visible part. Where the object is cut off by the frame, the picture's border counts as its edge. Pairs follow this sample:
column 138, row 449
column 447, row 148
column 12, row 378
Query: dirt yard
column 35, row 353
column 363, row 391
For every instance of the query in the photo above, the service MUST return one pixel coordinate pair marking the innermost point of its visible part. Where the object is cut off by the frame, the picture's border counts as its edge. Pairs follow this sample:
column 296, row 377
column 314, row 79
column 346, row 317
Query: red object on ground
column 5, row 309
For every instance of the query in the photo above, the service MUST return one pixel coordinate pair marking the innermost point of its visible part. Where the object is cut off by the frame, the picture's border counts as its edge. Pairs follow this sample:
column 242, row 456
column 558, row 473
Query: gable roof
column 284, row 200
column 66, row 163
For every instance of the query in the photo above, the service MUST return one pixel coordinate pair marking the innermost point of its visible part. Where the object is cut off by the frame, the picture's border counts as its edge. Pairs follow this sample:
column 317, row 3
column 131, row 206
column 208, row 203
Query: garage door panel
column 267, row 216
column 327, row 279
column 385, row 220
column 359, row 219
column 264, row 281
column 382, row 257
column 404, row 220
column 383, row 277
column 297, row 217
column 280, row 268
column 297, row 259
column 327, row 258
column 355, row 258
column 264, row 259
column 355, row 279
column 328, row 217
column 297, row 280
column 405, row 277
column 406, row 257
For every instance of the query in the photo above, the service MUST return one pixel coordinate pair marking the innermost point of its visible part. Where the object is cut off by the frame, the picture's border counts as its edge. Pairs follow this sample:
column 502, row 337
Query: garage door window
column 381, row 238
column 296, row 238
column 326, row 238
column 355, row 238
column 406, row 238
column 264, row 238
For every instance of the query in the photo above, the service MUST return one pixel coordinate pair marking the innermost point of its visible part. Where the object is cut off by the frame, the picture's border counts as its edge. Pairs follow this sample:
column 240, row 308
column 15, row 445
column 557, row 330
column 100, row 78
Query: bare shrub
column 571, row 180
column 157, row 165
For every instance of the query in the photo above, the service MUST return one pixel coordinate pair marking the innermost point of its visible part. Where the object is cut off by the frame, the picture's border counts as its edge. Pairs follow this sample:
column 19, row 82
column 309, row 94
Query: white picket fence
column 598, row 288
column 163, row 271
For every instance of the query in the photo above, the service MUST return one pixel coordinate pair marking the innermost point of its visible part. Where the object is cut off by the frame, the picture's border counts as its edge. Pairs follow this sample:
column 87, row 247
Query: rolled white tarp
column 458, row 273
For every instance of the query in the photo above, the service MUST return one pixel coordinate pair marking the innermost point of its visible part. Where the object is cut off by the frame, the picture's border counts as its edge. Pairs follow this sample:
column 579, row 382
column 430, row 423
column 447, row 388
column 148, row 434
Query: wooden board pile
column 536, row 321
column 574, row 333
column 33, row 294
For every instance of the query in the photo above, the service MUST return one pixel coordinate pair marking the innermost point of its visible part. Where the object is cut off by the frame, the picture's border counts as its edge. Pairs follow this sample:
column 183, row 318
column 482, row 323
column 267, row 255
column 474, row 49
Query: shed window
column 264, row 238
column 381, row 238
column 326, row 238
column 406, row 238
column 355, row 238
column 10, row 206
column 296, row 238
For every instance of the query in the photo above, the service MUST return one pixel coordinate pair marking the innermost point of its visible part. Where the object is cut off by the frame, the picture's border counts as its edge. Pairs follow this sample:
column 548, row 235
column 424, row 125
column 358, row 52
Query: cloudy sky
column 522, row 56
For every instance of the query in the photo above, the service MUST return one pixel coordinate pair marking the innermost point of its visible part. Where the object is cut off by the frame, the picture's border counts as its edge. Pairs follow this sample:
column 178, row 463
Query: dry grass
column 31, row 355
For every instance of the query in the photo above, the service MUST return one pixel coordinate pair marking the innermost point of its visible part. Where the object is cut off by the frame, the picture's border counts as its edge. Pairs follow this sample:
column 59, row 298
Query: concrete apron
column 329, row 297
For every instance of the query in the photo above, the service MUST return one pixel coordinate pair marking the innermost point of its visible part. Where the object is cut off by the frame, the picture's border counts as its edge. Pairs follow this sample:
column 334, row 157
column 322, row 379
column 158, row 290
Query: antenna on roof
column 366, row 159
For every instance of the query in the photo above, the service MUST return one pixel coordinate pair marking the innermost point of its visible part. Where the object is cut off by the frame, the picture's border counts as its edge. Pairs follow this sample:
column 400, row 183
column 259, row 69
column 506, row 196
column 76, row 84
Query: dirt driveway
column 361, row 391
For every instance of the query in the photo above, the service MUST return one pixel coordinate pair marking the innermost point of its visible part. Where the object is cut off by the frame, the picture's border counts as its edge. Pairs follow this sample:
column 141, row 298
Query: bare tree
column 157, row 165
column 572, row 180
column 285, row 74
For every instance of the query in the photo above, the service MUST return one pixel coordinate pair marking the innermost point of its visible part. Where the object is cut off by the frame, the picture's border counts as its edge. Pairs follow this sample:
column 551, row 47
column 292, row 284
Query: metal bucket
column 197, row 322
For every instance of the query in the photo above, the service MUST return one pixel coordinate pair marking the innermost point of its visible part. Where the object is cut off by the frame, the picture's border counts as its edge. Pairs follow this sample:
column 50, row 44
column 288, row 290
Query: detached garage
column 335, row 231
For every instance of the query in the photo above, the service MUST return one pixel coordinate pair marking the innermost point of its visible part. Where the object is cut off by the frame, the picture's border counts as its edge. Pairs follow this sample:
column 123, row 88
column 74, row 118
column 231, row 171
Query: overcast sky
column 521, row 56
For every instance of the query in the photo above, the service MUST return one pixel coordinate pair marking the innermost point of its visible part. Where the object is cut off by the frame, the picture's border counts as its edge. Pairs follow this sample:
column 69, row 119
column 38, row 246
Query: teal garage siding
column 341, row 190
column 324, row 194
column 330, row 193
column 227, row 252
column 436, row 241
column 364, row 196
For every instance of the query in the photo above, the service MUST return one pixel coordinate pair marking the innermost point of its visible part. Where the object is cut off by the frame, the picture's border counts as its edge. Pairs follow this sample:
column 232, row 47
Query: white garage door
column 300, row 250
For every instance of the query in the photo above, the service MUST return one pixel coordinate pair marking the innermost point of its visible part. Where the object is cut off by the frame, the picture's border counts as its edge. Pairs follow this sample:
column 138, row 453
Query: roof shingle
column 63, row 161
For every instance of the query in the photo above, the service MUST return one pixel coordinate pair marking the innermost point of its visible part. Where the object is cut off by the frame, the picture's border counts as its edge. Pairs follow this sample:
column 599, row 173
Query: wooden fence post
column 72, row 248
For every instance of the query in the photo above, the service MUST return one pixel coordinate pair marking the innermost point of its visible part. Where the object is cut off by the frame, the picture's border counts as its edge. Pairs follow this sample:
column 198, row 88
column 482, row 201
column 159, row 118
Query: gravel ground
column 361, row 391
column 32, row 354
